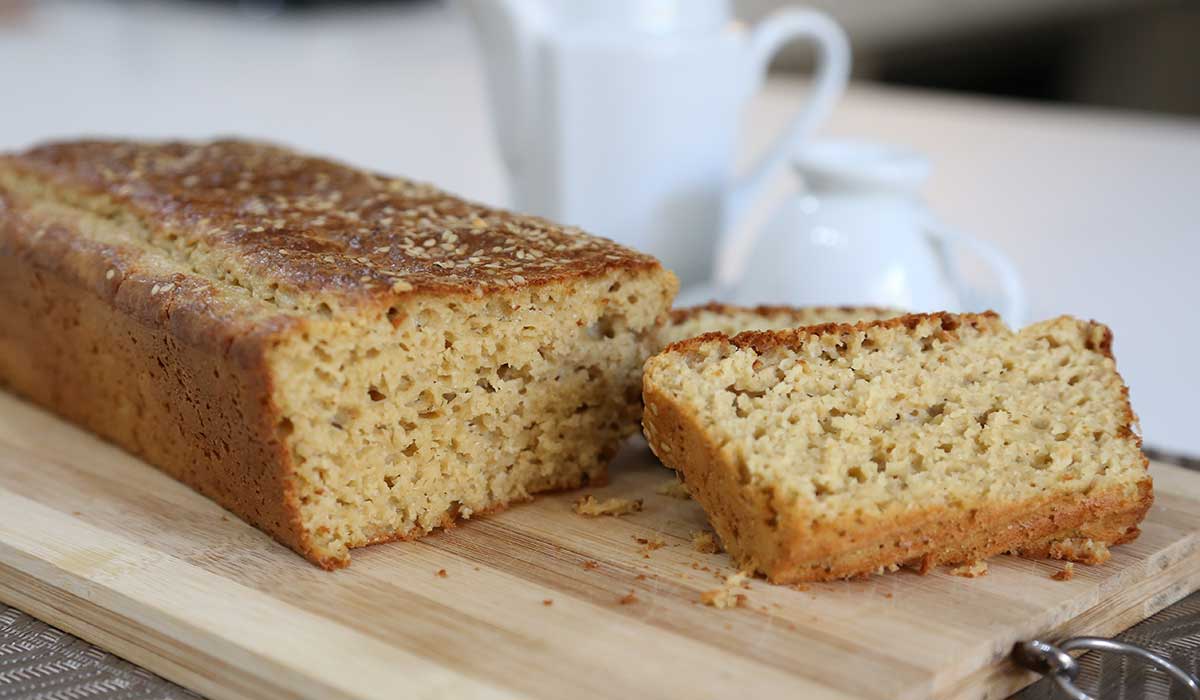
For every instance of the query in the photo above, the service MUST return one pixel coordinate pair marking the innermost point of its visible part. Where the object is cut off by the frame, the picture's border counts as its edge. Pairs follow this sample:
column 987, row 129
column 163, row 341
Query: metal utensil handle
column 1054, row 661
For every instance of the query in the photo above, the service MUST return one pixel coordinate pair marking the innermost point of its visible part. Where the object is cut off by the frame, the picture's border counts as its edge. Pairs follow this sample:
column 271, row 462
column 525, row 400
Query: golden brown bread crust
column 802, row 312
column 761, row 341
column 172, row 366
column 751, row 527
column 311, row 224
column 180, row 383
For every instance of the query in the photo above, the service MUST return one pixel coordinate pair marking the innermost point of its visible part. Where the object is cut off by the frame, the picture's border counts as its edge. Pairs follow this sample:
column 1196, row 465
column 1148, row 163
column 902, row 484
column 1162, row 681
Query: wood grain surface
column 530, row 603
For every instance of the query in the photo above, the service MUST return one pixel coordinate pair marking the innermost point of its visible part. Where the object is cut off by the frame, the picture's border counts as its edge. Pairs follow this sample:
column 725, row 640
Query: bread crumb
column 629, row 598
column 703, row 541
column 887, row 595
column 442, row 573
column 673, row 488
column 640, row 577
column 649, row 544
column 1066, row 574
column 547, row 602
column 801, row 587
column 589, row 564
column 726, row 596
column 590, row 507
column 972, row 570
column 1086, row 551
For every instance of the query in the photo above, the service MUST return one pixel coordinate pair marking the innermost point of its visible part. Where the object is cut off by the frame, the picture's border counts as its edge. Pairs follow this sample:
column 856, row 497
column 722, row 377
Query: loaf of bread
column 841, row 450
column 692, row 321
column 338, row 357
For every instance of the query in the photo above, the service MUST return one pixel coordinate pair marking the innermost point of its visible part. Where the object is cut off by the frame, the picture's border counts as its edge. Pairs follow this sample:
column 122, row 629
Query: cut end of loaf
column 447, row 407
column 834, row 450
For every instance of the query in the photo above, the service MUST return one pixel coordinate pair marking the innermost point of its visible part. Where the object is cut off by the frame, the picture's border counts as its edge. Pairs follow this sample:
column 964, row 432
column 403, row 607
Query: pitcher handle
column 1014, row 308
column 833, row 69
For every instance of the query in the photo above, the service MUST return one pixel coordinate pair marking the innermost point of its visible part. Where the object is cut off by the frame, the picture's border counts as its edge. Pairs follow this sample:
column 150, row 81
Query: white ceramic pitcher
column 621, row 116
column 859, row 234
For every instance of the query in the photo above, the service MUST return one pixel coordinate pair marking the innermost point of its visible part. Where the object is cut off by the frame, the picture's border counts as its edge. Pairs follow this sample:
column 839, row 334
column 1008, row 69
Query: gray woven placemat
column 39, row 662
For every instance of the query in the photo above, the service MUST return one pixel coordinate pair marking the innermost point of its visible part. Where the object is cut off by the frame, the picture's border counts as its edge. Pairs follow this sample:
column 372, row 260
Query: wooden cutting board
column 535, row 602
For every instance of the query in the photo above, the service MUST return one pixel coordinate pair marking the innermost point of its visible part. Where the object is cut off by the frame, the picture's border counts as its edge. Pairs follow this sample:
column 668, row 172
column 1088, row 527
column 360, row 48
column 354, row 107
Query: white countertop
column 1101, row 211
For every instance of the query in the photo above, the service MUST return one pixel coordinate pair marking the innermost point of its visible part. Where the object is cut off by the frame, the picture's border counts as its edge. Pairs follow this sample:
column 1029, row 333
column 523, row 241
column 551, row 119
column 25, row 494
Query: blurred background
column 1127, row 54
column 1065, row 132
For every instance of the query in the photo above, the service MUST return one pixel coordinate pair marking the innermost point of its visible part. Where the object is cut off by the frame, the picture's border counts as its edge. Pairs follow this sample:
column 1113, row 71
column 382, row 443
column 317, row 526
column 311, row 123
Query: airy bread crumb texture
column 832, row 451
column 443, row 408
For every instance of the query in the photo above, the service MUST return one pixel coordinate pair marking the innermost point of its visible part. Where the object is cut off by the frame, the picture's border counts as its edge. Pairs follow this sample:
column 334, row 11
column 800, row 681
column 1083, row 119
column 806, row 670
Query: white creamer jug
column 621, row 116
column 859, row 234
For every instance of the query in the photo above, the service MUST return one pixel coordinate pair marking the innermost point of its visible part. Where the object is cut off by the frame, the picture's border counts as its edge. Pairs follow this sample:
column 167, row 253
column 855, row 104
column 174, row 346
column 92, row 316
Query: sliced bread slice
column 692, row 321
column 841, row 450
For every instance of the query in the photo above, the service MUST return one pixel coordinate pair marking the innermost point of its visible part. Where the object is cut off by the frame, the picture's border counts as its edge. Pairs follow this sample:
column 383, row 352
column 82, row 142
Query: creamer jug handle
column 829, row 81
column 1014, row 308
